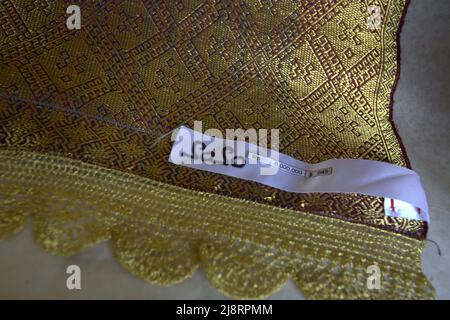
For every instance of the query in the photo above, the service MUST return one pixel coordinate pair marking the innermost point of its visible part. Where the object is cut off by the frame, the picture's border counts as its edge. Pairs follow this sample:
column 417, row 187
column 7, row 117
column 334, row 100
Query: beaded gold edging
column 162, row 233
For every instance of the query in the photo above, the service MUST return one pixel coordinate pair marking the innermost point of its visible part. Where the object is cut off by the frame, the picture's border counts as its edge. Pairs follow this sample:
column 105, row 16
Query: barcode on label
column 289, row 168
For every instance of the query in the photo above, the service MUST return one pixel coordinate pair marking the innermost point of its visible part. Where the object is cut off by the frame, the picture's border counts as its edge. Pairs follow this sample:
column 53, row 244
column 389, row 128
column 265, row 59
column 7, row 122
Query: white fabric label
column 247, row 161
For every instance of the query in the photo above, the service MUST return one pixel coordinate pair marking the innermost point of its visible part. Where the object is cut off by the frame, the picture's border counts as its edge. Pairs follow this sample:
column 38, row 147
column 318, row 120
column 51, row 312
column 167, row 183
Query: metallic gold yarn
column 80, row 111
column 136, row 70
column 162, row 233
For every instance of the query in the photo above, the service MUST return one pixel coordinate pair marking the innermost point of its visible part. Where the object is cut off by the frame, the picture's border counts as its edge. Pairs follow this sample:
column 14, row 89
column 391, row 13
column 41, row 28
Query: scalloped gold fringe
column 162, row 233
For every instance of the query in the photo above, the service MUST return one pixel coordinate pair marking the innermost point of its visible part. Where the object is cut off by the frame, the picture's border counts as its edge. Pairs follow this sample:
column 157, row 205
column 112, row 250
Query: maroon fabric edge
column 391, row 102
column 397, row 78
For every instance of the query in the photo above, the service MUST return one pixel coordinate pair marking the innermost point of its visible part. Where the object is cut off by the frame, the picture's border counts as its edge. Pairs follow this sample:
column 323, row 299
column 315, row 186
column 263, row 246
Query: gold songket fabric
column 86, row 116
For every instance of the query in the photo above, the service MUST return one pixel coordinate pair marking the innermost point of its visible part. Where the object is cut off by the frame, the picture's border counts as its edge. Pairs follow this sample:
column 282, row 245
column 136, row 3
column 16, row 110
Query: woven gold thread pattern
column 162, row 233
column 138, row 69
column 80, row 113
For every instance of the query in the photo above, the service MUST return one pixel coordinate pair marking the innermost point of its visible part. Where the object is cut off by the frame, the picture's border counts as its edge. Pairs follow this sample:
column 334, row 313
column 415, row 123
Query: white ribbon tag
column 401, row 187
